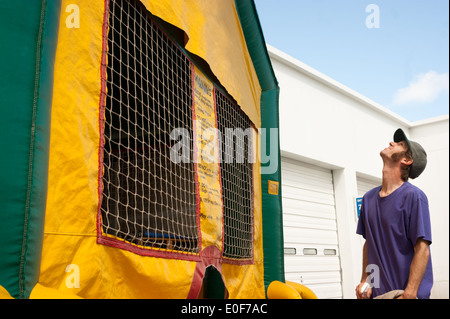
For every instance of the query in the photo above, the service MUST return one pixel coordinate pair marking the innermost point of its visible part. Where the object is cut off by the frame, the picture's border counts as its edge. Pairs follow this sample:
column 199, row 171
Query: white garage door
column 365, row 185
column 310, row 231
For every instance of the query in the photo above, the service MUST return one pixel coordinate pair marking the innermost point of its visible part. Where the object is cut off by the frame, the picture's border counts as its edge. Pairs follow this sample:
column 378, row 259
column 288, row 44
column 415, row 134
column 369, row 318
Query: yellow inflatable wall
column 76, row 257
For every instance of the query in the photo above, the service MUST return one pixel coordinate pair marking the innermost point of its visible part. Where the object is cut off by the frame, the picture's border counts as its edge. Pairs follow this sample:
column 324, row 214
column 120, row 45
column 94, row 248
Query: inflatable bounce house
column 140, row 154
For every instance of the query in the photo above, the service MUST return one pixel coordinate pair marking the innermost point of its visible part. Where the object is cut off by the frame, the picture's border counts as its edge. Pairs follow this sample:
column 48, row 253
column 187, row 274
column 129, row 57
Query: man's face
column 393, row 149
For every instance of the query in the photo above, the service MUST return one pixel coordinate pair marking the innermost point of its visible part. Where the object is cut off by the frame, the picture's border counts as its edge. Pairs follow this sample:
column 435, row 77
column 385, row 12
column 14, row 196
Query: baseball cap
column 419, row 155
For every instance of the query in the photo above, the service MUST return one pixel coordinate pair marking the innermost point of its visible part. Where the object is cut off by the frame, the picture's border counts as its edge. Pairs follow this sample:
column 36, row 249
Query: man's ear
column 406, row 161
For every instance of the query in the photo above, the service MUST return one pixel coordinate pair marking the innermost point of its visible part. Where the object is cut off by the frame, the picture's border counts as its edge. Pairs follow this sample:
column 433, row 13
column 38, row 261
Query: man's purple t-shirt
column 391, row 226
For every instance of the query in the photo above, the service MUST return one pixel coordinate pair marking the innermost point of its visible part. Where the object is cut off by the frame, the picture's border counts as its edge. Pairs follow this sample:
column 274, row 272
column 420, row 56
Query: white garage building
column 330, row 139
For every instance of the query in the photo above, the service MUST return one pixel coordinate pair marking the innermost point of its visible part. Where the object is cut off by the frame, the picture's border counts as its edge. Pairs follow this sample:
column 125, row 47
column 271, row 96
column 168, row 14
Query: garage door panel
column 308, row 195
column 299, row 181
column 325, row 284
column 304, row 264
column 310, row 228
column 305, row 169
column 300, row 208
column 310, row 236
column 328, row 291
column 314, row 278
column 297, row 249
column 299, row 221
column 365, row 185
column 302, row 176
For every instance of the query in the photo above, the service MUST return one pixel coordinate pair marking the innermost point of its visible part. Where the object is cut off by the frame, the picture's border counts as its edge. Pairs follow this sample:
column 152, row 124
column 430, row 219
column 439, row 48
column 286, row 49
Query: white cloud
column 424, row 88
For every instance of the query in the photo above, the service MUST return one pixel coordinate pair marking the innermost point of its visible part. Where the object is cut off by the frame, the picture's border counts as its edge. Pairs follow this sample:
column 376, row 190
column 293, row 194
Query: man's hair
column 405, row 169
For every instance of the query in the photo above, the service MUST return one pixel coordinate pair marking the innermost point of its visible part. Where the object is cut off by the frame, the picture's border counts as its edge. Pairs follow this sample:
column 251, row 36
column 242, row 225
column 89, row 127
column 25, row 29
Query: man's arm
column 364, row 276
column 417, row 269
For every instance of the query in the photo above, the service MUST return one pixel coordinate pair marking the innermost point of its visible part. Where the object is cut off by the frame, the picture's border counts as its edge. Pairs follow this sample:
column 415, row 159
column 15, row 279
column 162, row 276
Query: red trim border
column 101, row 117
column 210, row 256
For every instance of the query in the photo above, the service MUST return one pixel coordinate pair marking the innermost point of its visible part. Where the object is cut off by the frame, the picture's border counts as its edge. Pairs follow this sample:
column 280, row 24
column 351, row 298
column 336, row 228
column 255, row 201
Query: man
column 395, row 222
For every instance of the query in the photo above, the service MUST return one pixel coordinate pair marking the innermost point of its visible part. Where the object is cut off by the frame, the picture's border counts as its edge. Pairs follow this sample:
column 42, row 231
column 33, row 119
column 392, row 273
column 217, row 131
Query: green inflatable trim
column 29, row 31
column 271, row 204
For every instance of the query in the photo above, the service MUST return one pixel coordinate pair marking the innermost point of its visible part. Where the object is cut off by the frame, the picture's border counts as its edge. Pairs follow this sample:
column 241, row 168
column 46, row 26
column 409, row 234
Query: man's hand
column 407, row 296
column 363, row 295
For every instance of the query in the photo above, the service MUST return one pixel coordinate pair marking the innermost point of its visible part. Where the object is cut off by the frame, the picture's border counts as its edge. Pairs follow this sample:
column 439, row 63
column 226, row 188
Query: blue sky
column 401, row 63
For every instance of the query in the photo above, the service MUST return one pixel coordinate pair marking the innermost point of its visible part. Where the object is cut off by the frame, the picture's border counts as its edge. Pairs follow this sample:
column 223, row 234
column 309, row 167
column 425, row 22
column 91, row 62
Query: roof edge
column 320, row 77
